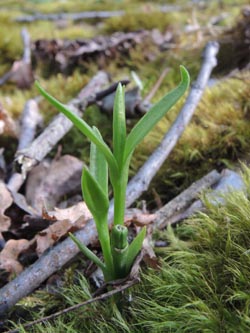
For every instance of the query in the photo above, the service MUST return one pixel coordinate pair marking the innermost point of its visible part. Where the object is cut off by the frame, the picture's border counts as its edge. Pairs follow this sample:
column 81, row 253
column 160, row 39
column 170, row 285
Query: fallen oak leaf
column 6, row 201
column 67, row 220
column 72, row 213
column 10, row 253
column 43, row 187
column 7, row 125
column 138, row 218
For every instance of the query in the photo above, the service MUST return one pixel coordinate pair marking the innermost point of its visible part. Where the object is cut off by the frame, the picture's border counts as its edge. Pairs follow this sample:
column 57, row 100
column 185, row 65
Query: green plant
column 118, row 254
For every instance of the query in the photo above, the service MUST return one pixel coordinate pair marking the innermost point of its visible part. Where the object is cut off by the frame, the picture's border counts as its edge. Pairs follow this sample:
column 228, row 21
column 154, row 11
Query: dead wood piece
column 67, row 53
column 8, row 126
column 5, row 202
column 29, row 157
column 30, row 119
column 85, row 15
column 46, row 184
column 229, row 180
column 2, row 164
column 26, row 45
column 142, row 179
column 69, row 16
column 50, row 262
column 183, row 200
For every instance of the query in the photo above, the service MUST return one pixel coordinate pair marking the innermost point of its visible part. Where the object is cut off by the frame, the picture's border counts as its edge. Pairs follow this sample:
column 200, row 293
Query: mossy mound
column 202, row 285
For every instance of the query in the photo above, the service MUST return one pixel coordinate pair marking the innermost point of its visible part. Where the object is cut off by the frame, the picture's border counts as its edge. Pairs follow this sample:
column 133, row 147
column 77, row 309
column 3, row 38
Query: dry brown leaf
column 137, row 217
column 7, row 125
column 9, row 255
column 149, row 256
column 5, row 202
column 49, row 236
column 21, row 74
column 68, row 219
column 46, row 183
column 72, row 213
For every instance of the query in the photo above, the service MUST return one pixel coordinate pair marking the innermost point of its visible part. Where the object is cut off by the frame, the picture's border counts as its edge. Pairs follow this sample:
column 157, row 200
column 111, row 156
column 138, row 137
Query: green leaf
column 95, row 198
column 149, row 120
column 134, row 248
column 98, row 165
column 119, row 125
column 83, row 127
column 89, row 254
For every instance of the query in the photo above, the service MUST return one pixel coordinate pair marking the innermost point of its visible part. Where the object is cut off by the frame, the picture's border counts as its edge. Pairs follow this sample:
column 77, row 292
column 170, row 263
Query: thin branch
column 26, row 46
column 229, row 180
column 156, row 85
column 29, row 122
column 142, row 179
column 106, row 295
column 69, row 16
column 27, row 158
column 185, row 199
column 84, row 15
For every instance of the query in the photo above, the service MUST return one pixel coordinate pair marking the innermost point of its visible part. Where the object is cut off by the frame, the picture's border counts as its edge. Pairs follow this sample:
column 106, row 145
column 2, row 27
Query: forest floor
column 194, row 269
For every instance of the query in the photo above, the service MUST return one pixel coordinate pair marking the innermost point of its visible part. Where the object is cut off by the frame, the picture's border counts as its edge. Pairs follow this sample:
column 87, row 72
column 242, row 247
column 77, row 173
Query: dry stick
column 183, row 200
column 27, row 158
column 26, row 43
column 230, row 180
column 106, row 295
column 83, row 15
column 58, row 256
column 142, row 179
column 29, row 122
column 156, row 85
column 69, row 16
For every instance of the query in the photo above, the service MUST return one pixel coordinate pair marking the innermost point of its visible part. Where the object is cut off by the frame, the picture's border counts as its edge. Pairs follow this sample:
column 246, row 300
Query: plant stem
column 119, row 187
column 103, row 235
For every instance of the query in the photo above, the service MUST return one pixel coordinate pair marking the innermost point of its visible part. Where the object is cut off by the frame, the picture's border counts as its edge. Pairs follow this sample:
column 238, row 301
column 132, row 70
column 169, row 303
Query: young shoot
column 105, row 165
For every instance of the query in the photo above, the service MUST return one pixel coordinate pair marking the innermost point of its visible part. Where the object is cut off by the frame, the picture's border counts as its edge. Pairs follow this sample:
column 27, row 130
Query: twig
column 106, row 295
column 58, row 256
column 142, row 179
column 27, row 158
column 69, row 16
column 29, row 121
column 184, row 199
column 84, row 15
column 26, row 46
column 229, row 180
column 156, row 85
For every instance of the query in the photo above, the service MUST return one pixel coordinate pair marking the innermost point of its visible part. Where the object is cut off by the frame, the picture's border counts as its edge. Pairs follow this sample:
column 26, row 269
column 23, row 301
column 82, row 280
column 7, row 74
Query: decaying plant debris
column 40, row 200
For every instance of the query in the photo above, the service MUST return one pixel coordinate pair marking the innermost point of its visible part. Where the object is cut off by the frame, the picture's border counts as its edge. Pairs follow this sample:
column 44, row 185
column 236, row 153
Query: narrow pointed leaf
column 89, row 254
column 149, row 120
column 98, row 165
column 82, row 126
column 134, row 248
column 95, row 198
column 119, row 124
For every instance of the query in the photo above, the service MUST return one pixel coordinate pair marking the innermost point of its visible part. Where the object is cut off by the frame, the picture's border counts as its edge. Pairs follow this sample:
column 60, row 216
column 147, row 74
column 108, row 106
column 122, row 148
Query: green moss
column 218, row 134
column 133, row 21
column 201, row 286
